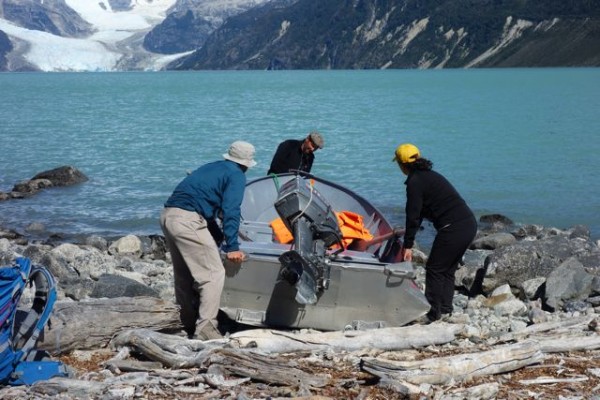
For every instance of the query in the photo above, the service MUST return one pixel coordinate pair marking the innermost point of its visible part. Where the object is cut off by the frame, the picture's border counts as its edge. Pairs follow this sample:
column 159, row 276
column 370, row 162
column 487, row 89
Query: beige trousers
column 197, row 266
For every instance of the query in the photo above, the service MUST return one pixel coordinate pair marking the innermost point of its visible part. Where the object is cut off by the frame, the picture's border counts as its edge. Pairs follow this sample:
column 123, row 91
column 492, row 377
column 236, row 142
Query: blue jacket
column 214, row 187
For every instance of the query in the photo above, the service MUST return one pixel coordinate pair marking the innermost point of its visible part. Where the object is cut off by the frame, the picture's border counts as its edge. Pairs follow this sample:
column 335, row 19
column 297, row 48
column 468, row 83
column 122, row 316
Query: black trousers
column 449, row 246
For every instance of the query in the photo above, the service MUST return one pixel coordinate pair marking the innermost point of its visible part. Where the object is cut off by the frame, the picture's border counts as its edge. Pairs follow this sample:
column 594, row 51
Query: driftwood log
column 408, row 337
column 553, row 327
column 178, row 352
column 575, row 334
column 457, row 368
column 170, row 350
column 91, row 324
column 566, row 343
column 263, row 368
column 543, row 339
column 168, row 383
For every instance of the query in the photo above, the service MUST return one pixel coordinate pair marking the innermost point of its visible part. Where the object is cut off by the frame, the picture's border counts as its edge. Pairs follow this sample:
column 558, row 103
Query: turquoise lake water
column 524, row 143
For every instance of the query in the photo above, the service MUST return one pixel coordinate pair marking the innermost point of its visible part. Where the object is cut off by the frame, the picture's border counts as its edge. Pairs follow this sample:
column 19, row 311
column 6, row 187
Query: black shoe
column 446, row 317
column 433, row 317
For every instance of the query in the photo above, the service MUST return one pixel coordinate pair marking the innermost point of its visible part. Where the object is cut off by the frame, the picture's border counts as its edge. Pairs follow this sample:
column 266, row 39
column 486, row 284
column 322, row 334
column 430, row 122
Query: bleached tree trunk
column 566, row 343
column 408, row 337
column 457, row 368
column 536, row 330
column 91, row 324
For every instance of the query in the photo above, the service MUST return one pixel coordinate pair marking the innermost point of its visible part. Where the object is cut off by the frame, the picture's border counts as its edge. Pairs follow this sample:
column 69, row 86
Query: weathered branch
column 544, row 380
column 565, row 343
column 178, row 352
column 458, row 368
column 552, row 326
column 172, row 351
column 263, row 368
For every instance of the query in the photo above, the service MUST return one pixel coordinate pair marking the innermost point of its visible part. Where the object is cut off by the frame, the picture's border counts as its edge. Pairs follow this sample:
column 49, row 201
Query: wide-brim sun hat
column 406, row 153
column 242, row 153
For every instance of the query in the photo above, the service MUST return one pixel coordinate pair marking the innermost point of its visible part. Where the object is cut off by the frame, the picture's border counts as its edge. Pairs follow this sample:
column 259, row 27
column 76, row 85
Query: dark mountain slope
column 351, row 34
column 52, row 16
column 5, row 48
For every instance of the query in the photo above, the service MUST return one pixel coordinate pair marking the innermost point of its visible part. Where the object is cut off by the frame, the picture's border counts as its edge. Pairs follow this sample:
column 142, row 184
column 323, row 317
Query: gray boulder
column 57, row 264
column 30, row 187
column 113, row 286
column 97, row 242
column 157, row 247
column 493, row 241
column 532, row 289
column 62, row 176
column 495, row 223
column 76, row 288
column 129, row 245
column 526, row 260
column 579, row 231
column 471, row 275
column 569, row 281
column 496, row 219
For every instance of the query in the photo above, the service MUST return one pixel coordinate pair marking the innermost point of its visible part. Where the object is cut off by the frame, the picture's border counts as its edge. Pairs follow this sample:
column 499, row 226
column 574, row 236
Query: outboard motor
column 314, row 226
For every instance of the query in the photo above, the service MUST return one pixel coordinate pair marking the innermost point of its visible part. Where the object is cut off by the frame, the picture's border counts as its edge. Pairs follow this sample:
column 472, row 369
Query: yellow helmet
column 407, row 153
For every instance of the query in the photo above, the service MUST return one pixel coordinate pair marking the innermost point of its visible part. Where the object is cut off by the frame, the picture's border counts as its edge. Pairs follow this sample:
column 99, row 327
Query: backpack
column 20, row 363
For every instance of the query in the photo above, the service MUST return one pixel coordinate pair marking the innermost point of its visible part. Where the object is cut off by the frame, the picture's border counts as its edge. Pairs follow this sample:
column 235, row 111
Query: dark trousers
column 448, row 248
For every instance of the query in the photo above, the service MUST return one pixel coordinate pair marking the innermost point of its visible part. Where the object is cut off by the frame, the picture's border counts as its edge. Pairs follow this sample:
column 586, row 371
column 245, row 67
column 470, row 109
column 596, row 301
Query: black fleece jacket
column 429, row 195
column 289, row 156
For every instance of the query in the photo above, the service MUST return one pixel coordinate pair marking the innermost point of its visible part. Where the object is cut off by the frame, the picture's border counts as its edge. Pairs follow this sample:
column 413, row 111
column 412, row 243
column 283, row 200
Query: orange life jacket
column 351, row 225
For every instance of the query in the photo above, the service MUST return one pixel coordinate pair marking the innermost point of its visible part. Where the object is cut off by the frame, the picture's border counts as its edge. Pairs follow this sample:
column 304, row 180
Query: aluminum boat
column 318, row 280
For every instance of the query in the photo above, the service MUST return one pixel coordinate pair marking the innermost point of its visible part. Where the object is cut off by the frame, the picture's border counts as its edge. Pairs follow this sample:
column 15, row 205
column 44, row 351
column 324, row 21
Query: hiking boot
column 208, row 332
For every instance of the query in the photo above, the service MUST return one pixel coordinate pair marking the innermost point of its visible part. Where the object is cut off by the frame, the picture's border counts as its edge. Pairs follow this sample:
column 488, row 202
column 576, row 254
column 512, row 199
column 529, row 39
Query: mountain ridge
column 122, row 35
column 370, row 34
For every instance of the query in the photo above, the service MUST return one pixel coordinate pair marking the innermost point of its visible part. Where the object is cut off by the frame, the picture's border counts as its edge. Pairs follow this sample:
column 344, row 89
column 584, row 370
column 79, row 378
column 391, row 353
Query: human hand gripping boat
column 319, row 256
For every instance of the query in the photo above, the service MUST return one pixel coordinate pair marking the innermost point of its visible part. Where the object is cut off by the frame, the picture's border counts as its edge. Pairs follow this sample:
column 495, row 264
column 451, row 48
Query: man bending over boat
column 429, row 195
column 296, row 155
column 186, row 221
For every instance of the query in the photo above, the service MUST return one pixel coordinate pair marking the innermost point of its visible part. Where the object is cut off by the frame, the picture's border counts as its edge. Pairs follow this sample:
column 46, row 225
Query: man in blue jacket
column 214, row 190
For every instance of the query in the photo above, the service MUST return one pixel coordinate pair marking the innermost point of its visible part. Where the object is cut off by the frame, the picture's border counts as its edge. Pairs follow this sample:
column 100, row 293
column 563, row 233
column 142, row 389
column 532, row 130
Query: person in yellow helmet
column 430, row 196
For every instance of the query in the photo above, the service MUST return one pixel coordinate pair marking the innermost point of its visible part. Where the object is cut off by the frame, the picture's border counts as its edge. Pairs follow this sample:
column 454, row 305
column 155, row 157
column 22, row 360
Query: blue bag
column 20, row 363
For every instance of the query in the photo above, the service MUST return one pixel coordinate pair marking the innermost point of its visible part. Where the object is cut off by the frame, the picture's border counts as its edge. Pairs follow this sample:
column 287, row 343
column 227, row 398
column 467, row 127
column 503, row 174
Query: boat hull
column 360, row 291
column 360, row 294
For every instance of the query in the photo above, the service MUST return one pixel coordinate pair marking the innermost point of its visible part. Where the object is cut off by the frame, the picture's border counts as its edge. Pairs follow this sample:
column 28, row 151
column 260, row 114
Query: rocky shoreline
column 517, row 281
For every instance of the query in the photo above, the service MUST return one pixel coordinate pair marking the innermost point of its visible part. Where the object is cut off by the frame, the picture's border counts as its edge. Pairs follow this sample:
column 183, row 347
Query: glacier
column 116, row 41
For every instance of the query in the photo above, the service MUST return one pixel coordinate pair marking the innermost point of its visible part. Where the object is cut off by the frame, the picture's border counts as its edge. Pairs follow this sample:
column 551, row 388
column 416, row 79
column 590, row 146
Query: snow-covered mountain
column 102, row 35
